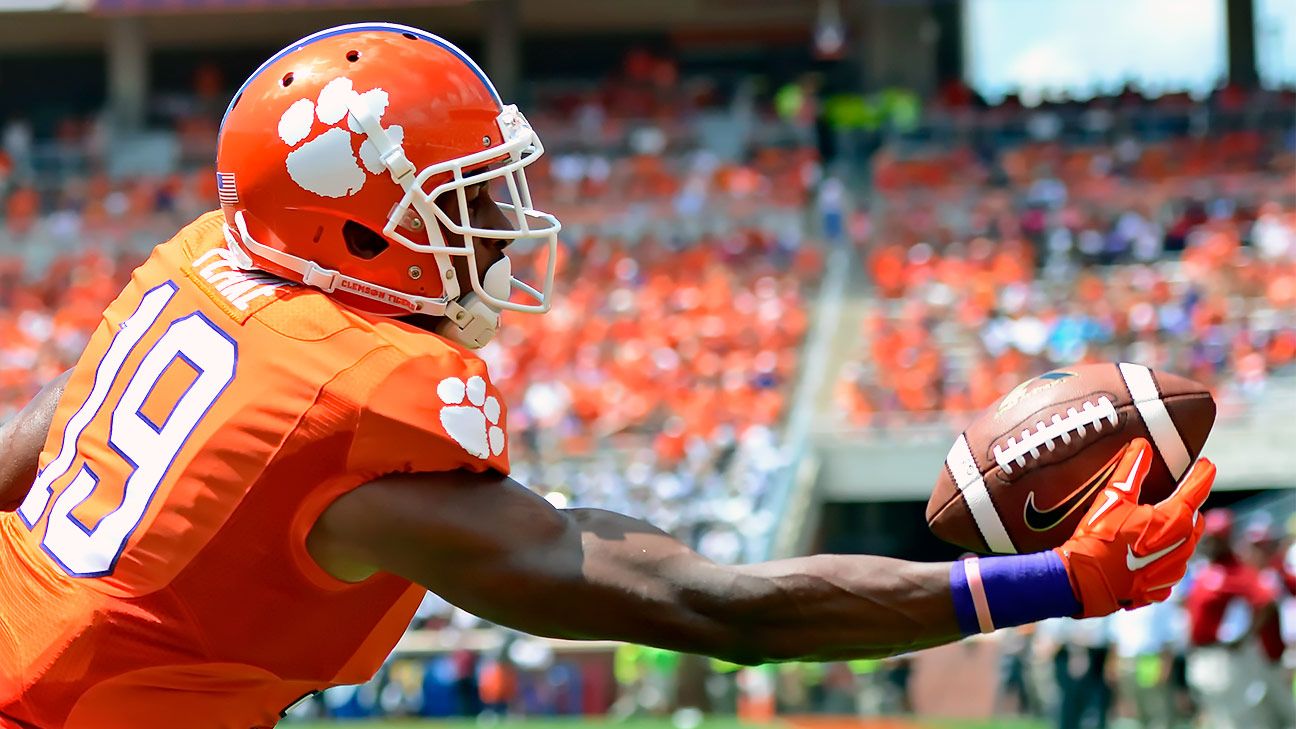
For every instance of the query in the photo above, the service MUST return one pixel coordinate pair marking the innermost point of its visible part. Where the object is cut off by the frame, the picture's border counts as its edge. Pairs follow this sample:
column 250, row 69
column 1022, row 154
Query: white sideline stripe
column 972, row 485
column 1165, row 436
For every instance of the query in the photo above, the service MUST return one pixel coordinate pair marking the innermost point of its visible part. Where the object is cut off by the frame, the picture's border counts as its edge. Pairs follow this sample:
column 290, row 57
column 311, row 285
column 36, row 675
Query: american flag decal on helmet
column 225, row 189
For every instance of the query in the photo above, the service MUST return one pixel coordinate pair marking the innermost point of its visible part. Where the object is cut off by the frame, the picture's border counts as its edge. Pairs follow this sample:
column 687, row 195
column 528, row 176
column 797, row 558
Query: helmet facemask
column 503, row 163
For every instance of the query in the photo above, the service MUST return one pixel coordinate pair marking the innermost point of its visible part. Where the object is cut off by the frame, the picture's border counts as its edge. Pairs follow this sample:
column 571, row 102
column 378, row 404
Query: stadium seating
column 1179, row 254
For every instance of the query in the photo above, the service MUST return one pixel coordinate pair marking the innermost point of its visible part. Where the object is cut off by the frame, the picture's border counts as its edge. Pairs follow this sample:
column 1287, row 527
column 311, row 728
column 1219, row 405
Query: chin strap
column 467, row 321
column 470, row 320
column 473, row 325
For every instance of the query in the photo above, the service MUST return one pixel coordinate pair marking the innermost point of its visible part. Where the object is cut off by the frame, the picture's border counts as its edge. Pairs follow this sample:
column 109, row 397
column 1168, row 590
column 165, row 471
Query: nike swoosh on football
column 1042, row 520
column 1134, row 562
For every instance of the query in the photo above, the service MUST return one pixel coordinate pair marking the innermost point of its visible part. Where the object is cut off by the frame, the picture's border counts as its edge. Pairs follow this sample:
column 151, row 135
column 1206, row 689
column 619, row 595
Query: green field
column 664, row 724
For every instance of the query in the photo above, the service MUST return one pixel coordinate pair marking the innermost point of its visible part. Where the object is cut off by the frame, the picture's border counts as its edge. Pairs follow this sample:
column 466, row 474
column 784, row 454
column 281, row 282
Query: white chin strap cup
column 472, row 322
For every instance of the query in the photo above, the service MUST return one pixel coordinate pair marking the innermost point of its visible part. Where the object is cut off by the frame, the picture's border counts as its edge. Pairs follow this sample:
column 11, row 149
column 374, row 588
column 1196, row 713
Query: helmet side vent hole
column 288, row 79
column 362, row 242
column 353, row 56
column 411, row 36
column 319, row 233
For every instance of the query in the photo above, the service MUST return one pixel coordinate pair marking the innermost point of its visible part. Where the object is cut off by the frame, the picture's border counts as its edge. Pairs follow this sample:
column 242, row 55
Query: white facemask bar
column 521, row 147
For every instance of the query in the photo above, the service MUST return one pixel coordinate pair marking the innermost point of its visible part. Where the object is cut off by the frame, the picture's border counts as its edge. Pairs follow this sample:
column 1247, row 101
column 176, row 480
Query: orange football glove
column 1125, row 554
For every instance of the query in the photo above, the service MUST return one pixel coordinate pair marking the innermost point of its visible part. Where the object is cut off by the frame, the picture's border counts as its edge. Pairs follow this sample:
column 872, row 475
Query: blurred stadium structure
column 792, row 265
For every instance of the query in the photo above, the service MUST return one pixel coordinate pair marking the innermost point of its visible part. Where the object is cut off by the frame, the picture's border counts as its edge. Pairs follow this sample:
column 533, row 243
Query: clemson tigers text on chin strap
column 471, row 321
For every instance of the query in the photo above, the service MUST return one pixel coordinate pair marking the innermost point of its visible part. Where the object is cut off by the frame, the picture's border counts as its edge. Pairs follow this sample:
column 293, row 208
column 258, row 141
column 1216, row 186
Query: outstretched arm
column 500, row 551
column 21, row 440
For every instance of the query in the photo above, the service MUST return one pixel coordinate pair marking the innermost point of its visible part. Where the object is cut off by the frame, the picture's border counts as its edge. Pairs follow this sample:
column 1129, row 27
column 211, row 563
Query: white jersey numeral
column 148, row 449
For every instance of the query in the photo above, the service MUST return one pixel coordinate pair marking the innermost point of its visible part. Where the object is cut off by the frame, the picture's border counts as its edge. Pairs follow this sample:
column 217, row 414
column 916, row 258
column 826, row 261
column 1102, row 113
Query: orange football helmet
column 331, row 158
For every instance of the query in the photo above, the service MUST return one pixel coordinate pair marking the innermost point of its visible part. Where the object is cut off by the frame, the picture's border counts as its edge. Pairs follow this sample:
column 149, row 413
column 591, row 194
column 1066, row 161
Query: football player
column 279, row 437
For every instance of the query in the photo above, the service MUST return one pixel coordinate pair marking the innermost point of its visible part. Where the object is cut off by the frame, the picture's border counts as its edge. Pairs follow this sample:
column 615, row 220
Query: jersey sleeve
column 433, row 412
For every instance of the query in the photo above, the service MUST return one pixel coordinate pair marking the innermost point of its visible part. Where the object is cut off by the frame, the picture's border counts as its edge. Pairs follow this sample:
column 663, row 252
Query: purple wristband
column 1000, row 592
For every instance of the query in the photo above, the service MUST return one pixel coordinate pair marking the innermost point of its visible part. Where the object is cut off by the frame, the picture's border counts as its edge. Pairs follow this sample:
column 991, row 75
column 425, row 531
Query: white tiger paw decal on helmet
column 327, row 164
column 474, row 424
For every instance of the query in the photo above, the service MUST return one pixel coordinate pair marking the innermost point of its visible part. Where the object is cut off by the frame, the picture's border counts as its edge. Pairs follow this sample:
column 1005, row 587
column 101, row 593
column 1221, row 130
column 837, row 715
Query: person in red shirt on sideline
column 1227, row 603
column 1265, row 551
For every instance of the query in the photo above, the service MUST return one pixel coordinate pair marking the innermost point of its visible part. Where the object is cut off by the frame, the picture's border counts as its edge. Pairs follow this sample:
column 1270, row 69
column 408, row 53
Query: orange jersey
column 156, row 574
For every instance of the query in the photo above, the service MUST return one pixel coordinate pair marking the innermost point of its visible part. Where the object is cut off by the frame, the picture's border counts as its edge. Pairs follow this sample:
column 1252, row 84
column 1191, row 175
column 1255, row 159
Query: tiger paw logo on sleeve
column 470, row 417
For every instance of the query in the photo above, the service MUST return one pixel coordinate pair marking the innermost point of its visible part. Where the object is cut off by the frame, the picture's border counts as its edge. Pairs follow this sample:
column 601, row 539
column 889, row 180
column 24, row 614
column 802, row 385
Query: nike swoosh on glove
column 1124, row 554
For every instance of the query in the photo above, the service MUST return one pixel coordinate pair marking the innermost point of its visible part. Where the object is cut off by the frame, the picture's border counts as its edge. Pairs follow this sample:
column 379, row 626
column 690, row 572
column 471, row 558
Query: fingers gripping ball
column 1124, row 554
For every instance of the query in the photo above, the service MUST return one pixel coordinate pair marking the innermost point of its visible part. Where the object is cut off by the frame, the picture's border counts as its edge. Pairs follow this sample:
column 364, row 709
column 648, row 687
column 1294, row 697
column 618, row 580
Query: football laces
column 1076, row 424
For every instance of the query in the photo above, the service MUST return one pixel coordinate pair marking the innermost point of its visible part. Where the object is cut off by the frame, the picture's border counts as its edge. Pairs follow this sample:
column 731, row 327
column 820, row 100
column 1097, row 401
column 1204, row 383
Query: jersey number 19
column 147, row 449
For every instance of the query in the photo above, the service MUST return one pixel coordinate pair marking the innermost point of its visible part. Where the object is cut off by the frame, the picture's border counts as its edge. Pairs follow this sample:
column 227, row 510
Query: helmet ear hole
column 362, row 242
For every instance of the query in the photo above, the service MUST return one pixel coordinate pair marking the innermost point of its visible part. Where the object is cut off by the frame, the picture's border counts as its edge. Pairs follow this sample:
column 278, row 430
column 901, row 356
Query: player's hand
column 1125, row 554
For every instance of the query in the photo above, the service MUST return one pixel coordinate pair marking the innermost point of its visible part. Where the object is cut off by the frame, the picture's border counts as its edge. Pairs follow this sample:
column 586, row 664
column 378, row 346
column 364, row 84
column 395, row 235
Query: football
column 1022, row 475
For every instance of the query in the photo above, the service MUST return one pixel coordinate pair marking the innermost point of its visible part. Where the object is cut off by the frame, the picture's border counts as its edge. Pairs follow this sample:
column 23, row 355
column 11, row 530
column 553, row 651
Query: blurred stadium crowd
column 996, row 242
column 1179, row 252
